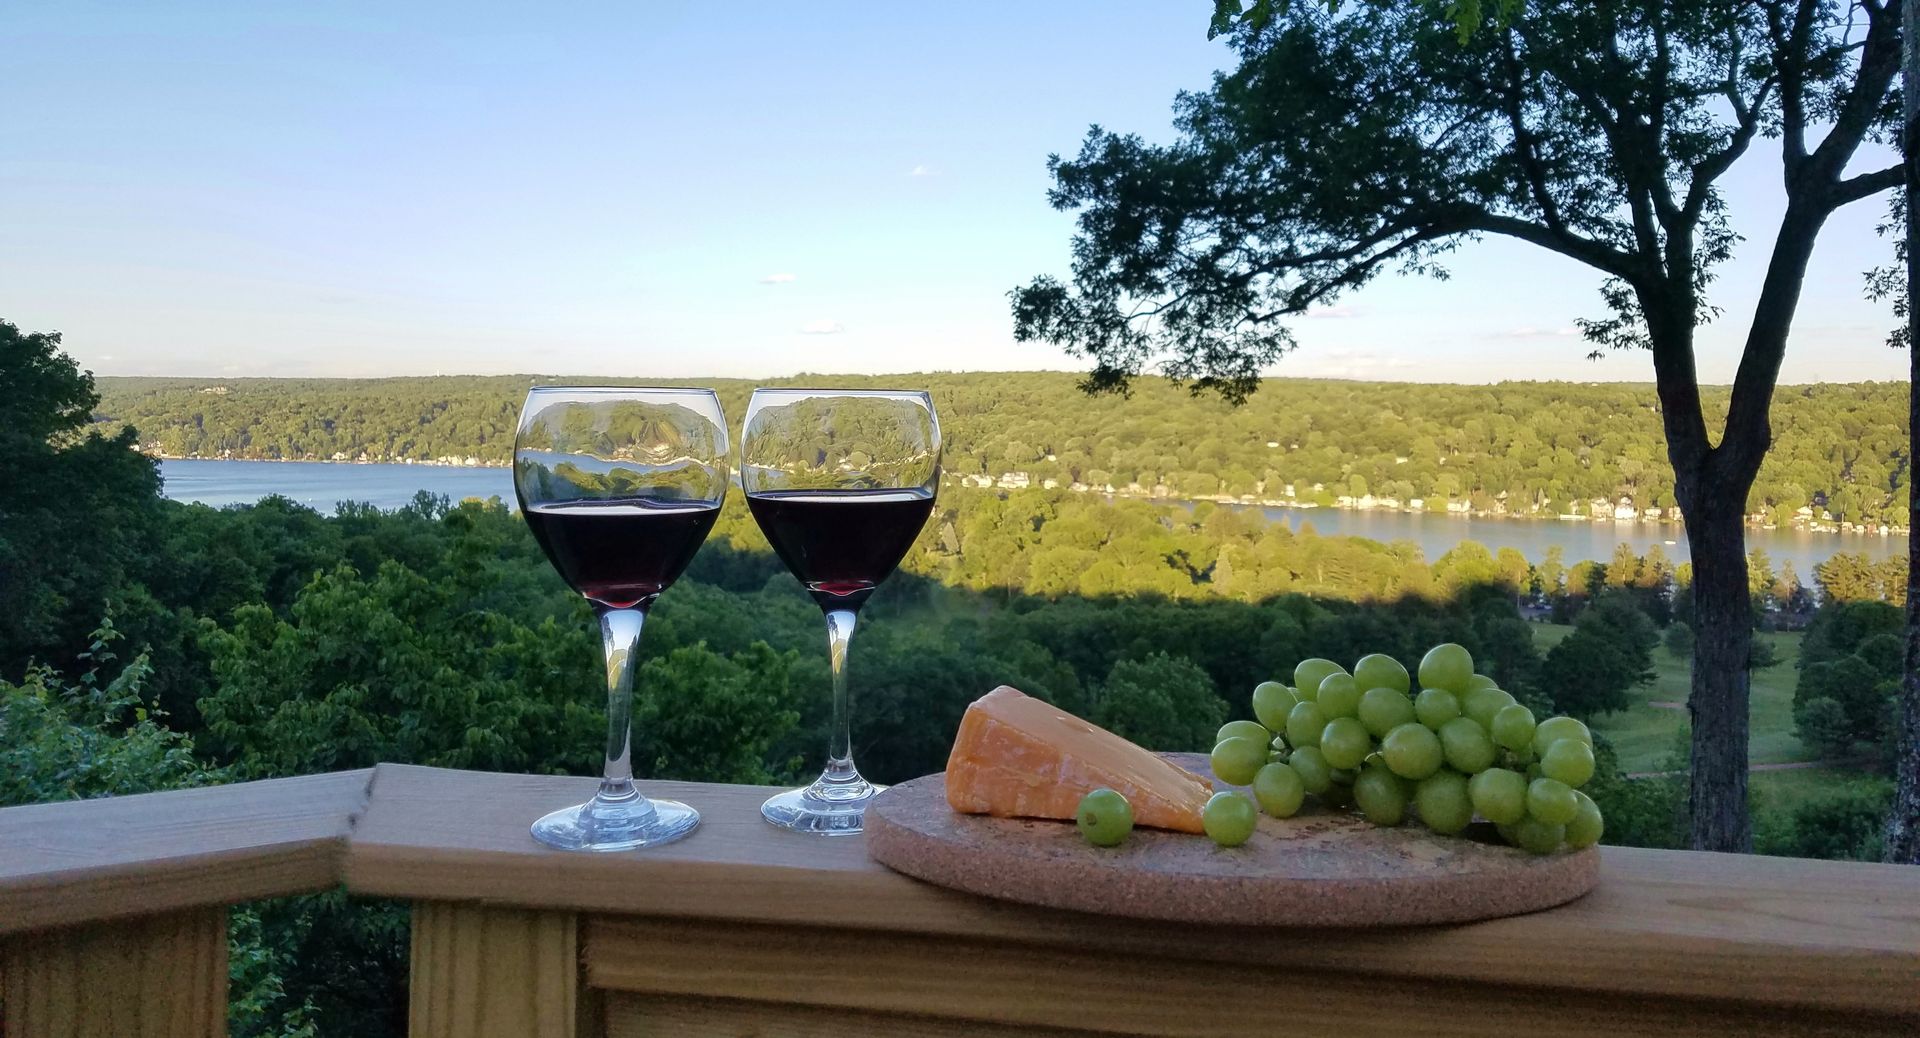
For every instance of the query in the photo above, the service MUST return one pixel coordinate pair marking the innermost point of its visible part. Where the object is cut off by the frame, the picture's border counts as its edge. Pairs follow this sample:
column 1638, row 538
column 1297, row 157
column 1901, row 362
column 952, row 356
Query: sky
column 680, row 189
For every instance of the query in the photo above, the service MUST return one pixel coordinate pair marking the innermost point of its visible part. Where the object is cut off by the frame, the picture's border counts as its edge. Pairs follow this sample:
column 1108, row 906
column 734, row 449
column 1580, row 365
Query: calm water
column 322, row 486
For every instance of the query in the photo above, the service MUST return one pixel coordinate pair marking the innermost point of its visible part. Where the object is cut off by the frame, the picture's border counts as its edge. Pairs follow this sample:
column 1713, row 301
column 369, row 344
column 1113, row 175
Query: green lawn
column 1787, row 790
column 1646, row 736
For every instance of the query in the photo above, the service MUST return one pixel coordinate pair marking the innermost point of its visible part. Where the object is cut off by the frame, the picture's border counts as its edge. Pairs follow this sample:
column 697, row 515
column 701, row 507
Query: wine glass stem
column 620, row 639
column 840, row 750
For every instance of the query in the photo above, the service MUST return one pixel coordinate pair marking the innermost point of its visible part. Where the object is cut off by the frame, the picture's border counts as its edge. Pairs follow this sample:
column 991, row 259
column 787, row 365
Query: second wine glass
column 841, row 482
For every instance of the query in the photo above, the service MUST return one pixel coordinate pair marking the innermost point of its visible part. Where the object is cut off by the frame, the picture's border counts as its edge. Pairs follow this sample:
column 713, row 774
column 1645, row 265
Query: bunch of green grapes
column 1461, row 748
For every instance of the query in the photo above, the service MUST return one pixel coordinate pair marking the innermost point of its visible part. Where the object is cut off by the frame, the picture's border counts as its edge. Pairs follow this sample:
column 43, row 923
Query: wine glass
column 620, row 487
column 840, row 481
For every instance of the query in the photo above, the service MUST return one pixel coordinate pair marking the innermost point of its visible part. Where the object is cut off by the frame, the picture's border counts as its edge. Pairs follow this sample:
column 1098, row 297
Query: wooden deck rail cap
column 1759, row 930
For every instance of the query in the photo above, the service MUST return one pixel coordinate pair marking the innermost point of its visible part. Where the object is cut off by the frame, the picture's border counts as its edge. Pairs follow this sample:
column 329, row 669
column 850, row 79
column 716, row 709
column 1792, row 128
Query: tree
column 1348, row 144
column 1162, row 702
column 1609, row 652
column 1902, row 844
column 76, row 508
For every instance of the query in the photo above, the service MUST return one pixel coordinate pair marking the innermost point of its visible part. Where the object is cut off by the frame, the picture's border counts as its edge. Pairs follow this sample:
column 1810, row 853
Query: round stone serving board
column 1318, row 868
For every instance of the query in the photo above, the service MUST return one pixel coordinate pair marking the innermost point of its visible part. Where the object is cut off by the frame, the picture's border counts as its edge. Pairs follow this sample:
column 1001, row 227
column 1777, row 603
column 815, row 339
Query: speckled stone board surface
column 1318, row 868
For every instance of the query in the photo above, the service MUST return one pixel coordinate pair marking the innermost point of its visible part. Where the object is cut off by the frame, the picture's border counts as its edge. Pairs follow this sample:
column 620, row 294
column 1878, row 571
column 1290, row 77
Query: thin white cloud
column 778, row 279
column 822, row 328
column 922, row 170
column 1528, row 331
column 1333, row 313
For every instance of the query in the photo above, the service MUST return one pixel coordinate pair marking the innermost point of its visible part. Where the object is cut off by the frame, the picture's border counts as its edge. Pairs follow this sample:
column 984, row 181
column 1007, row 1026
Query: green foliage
column 1162, row 702
column 1609, row 652
column 1847, row 826
column 76, row 507
column 1679, row 640
column 701, row 716
column 1850, row 577
column 1850, row 668
column 94, row 736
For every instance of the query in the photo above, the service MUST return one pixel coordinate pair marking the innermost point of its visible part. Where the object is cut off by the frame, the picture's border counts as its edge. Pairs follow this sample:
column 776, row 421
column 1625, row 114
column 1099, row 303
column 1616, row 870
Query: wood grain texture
column 493, row 973
column 1671, row 923
column 81, row 861
column 643, row 1016
column 980, row 983
column 162, row 976
column 1319, row 868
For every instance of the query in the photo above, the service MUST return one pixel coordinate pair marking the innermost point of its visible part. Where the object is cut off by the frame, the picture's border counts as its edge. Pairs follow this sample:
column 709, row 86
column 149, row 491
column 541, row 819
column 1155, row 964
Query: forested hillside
column 1524, row 448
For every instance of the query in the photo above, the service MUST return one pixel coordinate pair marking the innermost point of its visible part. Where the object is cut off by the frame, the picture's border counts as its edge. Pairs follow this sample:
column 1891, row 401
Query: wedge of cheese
column 1019, row 757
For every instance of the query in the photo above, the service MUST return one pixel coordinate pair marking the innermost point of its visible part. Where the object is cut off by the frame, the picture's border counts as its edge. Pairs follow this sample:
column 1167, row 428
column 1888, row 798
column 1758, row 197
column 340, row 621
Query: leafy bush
column 1162, row 702
column 95, row 736
column 1679, row 640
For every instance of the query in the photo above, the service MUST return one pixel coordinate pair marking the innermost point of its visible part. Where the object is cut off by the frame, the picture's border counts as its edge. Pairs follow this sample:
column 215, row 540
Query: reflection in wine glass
column 841, row 482
column 620, row 487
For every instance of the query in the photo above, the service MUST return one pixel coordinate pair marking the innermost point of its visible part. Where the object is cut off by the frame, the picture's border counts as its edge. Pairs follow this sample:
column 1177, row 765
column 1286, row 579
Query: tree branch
column 1854, row 189
column 1624, row 265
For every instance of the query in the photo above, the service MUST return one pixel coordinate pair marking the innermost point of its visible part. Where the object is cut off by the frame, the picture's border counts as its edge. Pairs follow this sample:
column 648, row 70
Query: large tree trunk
column 1903, row 821
column 1723, row 625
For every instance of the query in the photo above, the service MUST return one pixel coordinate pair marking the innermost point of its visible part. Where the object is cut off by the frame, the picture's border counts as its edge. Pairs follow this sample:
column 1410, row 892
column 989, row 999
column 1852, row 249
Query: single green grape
column 1383, row 709
column 1447, row 666
column 1104, row 817
column 1229, row 818
column 1466, row 746
column 1271, row 701
column 1569, row 761
column 1537, row 837
column 1382, row 671
column 1481, row 681
column 1499, row 795
column 1307, row 675
column 1554, row 729
column 1304, row 724
column 1551, row 801
column 1339, row 696
column 1412, row 751
column 1443, row 803
column 1243, row 729
column 1312, row 767
column 1344, row 743
column 1434, row 707
column 1587, row 826
column 1279, row 790
column 1482, row 703
column 1380, row 796
column 1236, row 760
column 1512, row 727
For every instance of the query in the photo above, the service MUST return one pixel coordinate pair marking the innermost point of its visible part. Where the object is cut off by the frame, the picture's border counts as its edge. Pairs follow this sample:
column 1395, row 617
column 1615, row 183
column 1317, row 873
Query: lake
column 322, row 485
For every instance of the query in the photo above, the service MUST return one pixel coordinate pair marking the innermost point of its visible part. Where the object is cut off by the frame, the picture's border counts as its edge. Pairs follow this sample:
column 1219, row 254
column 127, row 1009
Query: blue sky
column 677, row 189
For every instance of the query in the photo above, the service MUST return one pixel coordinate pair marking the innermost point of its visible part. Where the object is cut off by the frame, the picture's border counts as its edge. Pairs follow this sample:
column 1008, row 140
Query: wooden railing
column 112, row 922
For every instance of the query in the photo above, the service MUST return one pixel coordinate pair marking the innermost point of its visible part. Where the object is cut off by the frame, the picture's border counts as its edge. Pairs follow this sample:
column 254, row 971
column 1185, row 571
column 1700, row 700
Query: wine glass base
column 822, row 809
column 616, row 825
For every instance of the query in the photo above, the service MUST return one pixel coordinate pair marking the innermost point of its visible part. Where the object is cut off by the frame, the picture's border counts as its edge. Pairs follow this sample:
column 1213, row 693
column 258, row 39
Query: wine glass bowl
column 841, row 482
column 620, row 487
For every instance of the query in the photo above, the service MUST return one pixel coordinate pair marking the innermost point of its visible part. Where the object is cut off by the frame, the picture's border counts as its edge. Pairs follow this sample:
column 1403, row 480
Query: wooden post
column 480, row 972
column 160, row 976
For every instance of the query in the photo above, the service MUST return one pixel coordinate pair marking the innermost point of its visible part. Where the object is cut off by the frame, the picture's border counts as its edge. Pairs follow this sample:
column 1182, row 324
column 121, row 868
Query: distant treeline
column 1522, row 448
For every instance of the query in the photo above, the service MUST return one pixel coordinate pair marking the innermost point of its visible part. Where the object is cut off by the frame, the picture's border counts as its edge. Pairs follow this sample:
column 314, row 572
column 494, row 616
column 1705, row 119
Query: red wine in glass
column 621, row 554
column 620, row 485
column 841, row 543
column 841, row 481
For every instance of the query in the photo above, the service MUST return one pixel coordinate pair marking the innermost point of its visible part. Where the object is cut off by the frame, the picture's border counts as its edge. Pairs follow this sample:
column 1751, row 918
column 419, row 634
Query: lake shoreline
column 1151, row 497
